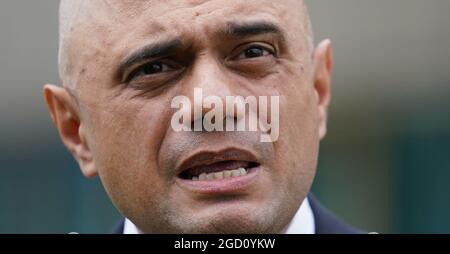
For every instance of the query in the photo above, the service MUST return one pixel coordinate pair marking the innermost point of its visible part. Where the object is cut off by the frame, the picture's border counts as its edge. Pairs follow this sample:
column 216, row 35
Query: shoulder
column 328, row 223
column 118, row 228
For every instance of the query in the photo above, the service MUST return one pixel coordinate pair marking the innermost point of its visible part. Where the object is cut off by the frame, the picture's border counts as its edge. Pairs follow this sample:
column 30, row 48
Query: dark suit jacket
column 325, row 221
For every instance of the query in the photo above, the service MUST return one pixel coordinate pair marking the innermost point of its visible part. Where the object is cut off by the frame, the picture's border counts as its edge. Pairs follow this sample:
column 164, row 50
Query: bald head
column 68, row 11
column 127, row 62
column 77, row 21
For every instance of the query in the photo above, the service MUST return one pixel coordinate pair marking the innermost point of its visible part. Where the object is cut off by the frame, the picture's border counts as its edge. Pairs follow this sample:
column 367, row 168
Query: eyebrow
column 239, row 30
column 153, row 50
column 230, row 31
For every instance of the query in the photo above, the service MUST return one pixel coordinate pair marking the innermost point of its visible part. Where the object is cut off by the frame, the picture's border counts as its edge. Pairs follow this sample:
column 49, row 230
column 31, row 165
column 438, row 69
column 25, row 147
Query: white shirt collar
column 302, row 223
column 129, row 228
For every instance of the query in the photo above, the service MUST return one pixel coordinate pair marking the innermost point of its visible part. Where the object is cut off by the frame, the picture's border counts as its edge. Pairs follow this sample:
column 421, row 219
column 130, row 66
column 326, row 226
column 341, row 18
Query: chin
column 232, row 221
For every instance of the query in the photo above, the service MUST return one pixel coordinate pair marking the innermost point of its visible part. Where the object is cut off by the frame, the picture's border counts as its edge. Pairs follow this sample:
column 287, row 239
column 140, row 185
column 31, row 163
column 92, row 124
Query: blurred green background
column 384, row 166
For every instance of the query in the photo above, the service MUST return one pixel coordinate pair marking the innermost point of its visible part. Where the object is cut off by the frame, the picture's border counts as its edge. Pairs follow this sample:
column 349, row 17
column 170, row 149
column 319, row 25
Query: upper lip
column 203, row 157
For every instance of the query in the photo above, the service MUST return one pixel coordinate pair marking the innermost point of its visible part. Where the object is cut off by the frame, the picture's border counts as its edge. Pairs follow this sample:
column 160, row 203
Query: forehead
column 109, row 17
column 134, row 8
column 114, row 28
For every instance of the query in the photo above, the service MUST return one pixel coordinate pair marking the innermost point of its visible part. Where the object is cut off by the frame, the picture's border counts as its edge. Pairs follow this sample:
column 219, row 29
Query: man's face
column 227, row 48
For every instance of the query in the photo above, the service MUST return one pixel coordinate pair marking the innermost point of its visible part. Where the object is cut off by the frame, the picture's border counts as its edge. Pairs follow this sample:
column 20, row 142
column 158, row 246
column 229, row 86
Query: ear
column 65, row 116
column 323, row 67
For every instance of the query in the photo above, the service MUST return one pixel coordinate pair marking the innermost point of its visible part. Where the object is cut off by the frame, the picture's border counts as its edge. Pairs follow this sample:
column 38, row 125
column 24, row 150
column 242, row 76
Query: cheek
column 301, row 131
column 126, row 147
column 298, row 143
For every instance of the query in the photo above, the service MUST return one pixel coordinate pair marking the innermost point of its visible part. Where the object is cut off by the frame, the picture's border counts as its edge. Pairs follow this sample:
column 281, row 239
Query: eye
column 255, row 52
column 148, row 69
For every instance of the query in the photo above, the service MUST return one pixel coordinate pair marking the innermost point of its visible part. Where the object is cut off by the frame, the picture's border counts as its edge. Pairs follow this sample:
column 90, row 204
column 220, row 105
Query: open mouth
column 222, row 172
column 219, row 170
column 218, row 165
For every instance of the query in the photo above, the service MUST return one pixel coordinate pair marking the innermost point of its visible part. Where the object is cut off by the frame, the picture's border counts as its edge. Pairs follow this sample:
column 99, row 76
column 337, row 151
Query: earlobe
column 323, row 68
column 65, row 116
column 85, row 160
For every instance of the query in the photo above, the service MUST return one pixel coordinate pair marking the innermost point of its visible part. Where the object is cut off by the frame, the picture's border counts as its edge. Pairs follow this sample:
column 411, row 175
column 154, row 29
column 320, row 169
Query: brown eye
column 255, row 52
column 152, row 68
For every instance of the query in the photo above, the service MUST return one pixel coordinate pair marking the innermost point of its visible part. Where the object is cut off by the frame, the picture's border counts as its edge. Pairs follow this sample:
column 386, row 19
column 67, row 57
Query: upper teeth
column 220, row 175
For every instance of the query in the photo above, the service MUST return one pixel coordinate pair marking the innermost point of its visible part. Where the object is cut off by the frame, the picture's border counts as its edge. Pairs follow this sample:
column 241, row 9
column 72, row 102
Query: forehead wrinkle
column 74, row 14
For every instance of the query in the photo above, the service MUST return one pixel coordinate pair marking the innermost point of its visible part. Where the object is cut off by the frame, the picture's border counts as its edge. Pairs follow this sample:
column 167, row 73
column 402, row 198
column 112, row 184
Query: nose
column 208, row 87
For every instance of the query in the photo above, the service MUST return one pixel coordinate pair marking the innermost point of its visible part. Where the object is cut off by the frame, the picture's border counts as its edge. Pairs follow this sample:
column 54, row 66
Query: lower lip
column 233, row 185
